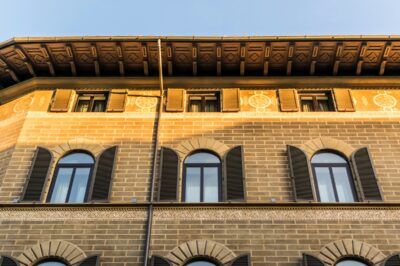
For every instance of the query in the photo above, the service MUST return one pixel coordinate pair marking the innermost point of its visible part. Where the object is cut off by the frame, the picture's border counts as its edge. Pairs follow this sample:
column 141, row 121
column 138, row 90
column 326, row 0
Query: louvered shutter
column 175, row 100
column 392, row 261
column 366, row 176
column 37, row 175
column 103, row 176
column 288, row 100
column 159, row 261
column 234, row 175
column 168, row 184
column 344, row 100
column 242, row 260
column 116, row 101
column 61, row 100
column 300, row 174
column 8, row 261
column 310, row 260
column 90, row 261
column 230, row 100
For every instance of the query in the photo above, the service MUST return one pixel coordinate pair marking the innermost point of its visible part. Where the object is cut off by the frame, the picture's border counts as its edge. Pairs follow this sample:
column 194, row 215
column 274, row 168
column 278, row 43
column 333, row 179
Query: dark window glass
column 201, row 263
column 203, row 102
column 71, row 178
column 91, row 102
column 51, row 263
column 333, row 178
column 351, row 263
column 202, row 178
column 316, row 102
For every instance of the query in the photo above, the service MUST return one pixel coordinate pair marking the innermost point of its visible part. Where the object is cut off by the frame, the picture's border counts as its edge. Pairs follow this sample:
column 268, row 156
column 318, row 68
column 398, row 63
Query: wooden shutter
column 234, row 174
column 288, row 100
column 175, row 100
column 365, row 175
column 8, row 261
column 310, row 260
column 159, row 261
column 300, row 174
column 103, row 176
column 93, row 260
column 392, row 260
column 344, row 101
column 61, row 100
column 242, row 260
column 37, row 175
column 230, row 100
column 168, row 184
column 116, row 101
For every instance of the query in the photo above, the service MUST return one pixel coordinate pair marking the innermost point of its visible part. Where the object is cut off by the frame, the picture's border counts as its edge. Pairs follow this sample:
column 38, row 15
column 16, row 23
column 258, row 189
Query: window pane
column 327, row 157
column 51, row 263
column 79, row 185
column 342, row 183
column 307, row 105
column 195, row 106
column 200, row 263
column 77, row 158
column 82, row 106
column 192, row 186
column 351, row 263
column 60, row 189
column 325, row 187
column 323, row 105
column 202, row 157
column 99, row 106
column 211, row 106
column 210, row 184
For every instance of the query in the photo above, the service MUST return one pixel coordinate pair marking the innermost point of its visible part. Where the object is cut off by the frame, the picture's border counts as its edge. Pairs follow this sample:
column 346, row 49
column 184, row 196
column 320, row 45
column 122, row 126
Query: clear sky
column 25, row 18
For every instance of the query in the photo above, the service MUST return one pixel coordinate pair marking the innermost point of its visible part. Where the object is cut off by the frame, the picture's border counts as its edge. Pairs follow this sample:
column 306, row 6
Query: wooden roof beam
column 96, row 59
column 121, row 65
column 145, row 59
column 338, row 54
column 386, row 52
column 242, row 59
column 289, row 62
column 24, row 57
column 219, row 56
column 49, row 60
column 194, row 58
column 267, row 53
column 314, row 56
column 360, row 60
column 71, row 59
column 9, row 69
column 169, row 60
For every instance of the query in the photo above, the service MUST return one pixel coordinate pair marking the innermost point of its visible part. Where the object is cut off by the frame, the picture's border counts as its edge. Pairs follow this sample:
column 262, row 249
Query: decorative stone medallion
column 385, row 101
column 259, row 101
column 23, row 104
column 146, row 103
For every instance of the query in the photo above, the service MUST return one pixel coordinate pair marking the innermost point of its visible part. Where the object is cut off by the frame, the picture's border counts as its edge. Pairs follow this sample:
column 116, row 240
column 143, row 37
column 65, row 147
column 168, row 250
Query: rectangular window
column 316, row 102
column 203, row 102
column 91, row 102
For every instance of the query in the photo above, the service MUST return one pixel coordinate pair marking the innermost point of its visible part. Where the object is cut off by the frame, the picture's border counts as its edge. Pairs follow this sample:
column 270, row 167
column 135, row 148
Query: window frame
column 92, row 98
column 74, row 166
column 203, row 95
column 314, row 95
column 353, row 259
column 332, row 179
column 202, row 166
column 53, row 259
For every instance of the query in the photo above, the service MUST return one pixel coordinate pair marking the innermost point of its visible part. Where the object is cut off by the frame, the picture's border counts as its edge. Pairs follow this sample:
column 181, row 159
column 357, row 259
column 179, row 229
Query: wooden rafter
column 24, row 57
column 71, row 56
column 145, row 60
column 290, row 62
column 9, row 69
column 219, row 57
column 314, row 55
column 338, row 54
column 121, row 65
column 242, row 59
column 386, row 52
column 49, row 60
column 169, row 59
column 93, row 48
column 360, row 60
column 194, row 58
column 266, row 59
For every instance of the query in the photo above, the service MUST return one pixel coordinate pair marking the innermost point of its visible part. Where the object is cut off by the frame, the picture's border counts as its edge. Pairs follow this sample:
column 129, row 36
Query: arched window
column 51, row 263
column 71, row 178
column 333, row 178
column 202, row 178
column 351, row 262
column 201, row 263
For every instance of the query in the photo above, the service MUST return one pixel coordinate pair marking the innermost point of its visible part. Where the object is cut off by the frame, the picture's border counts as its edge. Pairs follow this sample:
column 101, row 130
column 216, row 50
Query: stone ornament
column 259, row 101
column 385, row 101
column 146, row 103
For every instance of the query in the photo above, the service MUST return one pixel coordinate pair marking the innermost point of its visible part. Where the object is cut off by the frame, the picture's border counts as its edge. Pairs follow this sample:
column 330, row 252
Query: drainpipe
column 155, row 151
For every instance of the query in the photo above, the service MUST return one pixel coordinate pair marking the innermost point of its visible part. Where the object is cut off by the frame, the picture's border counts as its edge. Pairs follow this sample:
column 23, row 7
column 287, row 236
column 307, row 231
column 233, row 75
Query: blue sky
column 197, row 17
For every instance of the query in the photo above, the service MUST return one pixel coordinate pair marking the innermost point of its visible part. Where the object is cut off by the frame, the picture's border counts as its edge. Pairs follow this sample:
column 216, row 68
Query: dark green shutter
column 310, row 260
column 168, row 184
column 37, row 175
column 90, row 261
column 366, row 176
column 300, row 174
column 392, row 261
column 234, row 175
column 242, row 260
column 8, row 261
column 159, row 261
column 103, row 176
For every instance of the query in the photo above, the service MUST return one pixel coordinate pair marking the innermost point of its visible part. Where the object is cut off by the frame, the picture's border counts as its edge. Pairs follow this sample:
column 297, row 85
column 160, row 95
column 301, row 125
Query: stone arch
column 77, row 144
column 334, row 251
column 180, row 255
column 184, row 148
column 54, row 248
column 314, row 145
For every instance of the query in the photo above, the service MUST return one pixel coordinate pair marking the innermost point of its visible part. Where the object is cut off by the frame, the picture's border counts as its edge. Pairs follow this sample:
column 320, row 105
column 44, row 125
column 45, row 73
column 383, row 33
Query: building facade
column 278, row 151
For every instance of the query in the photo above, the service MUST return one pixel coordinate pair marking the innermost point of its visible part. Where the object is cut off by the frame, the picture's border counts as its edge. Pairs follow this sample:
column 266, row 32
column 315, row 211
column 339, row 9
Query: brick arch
column 56, row 249
column 334, row 251
column 77, row 144
column 184, row 148
column 180, row 255
column 322, row 143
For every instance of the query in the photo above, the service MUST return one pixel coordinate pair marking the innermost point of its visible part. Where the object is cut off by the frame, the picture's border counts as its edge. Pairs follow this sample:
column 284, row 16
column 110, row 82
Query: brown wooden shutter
column 37, row 175
column 116, row 101
column 393, row 260
column 288, row 100
column 230, row 100
column 366, row 176
column 168, row 184
column 242, row 260
column 8, row 261
column 61, row 100
column 234, row 175
column 93, row 260
column 310, row 260
column 344, row 101
column 175, row 100
column 159, row 261
column 300, row 174
column 103, row 176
